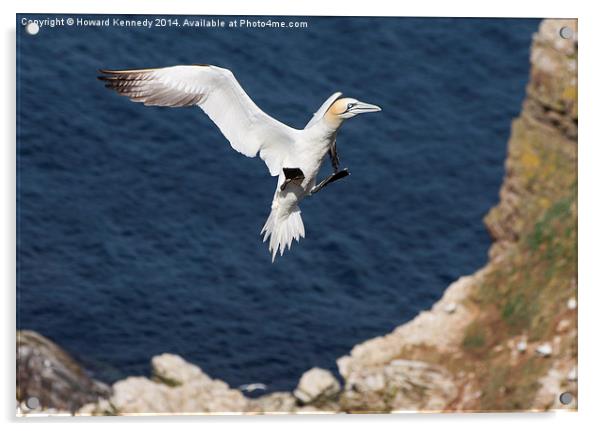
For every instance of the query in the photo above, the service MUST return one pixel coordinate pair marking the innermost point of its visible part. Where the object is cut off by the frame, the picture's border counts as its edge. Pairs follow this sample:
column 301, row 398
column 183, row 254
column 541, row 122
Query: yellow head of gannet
column 346, row 108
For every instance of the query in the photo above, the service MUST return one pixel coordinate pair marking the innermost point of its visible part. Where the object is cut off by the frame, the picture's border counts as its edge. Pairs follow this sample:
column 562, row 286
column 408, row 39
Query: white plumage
column 250, row 131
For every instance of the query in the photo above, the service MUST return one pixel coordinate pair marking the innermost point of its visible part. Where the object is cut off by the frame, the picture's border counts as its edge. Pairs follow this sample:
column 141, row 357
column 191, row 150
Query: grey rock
column 315, row 385
column 176, row 387
column 50, row 378
column 401, row 385
column 175, row 371
column 277, row 402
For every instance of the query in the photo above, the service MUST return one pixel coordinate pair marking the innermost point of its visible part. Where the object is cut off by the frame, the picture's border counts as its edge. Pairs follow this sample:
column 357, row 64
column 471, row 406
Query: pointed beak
column 362, row 107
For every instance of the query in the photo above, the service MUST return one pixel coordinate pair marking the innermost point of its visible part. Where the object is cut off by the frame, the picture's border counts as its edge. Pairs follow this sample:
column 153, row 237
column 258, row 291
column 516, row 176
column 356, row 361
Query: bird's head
column 347, row 107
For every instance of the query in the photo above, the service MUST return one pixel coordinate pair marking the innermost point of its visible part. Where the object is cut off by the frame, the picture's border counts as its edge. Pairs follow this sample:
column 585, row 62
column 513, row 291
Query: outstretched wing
column 218, row 93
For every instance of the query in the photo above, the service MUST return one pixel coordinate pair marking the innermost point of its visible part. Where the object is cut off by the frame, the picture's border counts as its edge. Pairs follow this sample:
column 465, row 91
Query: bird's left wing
column 218, row 93
column 320, row 112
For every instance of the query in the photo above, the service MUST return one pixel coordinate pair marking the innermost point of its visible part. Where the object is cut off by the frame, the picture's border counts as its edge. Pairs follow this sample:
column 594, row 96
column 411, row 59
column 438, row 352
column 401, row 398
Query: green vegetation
column 517, row 312
column 528, row 291
column 512, row 388
column 475, row 338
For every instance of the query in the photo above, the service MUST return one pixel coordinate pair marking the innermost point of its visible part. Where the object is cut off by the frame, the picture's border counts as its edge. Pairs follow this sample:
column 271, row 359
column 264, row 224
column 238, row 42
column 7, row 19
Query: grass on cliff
column 535, row 281
column 525, row 294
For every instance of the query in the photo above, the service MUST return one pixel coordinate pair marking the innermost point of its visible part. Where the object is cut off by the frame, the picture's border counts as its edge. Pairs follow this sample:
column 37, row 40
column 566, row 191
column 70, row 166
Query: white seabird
column 252, row 387
column 294, row 155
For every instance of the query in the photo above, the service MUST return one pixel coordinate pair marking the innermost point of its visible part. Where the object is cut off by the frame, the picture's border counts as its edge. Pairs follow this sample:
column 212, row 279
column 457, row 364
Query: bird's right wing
column 218, row 93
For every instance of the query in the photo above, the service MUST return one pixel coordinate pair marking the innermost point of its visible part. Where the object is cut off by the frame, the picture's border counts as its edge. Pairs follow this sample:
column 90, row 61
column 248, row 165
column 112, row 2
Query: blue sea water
column 138, row 228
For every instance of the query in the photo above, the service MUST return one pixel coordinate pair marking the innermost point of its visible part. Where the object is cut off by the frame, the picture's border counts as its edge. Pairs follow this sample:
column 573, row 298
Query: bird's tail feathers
column 281, row 229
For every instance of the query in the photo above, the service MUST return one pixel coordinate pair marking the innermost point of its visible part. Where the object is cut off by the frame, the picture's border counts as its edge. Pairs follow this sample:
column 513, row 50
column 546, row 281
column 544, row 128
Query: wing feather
column 320, row 112
column 217, row 92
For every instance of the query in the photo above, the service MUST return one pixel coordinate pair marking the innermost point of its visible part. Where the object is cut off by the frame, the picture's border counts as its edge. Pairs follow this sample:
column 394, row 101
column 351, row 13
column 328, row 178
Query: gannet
column 251, row 387
column 293, row 155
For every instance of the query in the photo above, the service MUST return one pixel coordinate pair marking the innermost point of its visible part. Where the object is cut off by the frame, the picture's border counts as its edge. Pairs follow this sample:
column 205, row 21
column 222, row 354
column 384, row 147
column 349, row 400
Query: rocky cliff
column 505, row 337
column 501, row 339
column 49, row 378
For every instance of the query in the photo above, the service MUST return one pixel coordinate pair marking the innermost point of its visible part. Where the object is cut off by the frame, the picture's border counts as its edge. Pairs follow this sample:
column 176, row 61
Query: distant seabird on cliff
column 293, row 155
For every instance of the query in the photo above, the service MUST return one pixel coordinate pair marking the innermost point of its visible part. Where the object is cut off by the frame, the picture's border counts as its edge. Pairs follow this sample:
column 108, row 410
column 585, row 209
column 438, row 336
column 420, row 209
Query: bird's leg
column 336, row 175
column 334, row 157
column 329, row 179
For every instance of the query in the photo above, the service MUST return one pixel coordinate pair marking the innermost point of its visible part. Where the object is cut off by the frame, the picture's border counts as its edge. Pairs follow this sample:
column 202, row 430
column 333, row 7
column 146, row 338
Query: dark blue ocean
column 138, row 228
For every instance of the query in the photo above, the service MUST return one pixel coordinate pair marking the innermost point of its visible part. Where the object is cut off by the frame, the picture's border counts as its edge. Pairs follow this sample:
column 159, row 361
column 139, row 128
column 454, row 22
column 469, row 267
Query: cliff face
column 542, row 154
column 503, row 338
column 507, row 334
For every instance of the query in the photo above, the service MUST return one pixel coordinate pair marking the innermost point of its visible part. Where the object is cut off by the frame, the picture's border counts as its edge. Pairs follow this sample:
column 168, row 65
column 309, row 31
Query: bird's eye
column 349, row 106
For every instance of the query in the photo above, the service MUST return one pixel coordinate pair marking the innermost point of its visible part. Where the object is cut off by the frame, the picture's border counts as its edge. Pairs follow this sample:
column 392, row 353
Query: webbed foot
column 329, row 179
column 292, row 175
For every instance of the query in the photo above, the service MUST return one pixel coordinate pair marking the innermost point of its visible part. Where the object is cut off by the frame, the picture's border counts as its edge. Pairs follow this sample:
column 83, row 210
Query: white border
column 590, row 214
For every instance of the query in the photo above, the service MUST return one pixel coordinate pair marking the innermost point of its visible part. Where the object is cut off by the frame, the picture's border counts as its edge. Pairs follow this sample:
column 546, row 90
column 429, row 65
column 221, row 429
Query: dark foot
column 330, row 179
column 292, row 175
